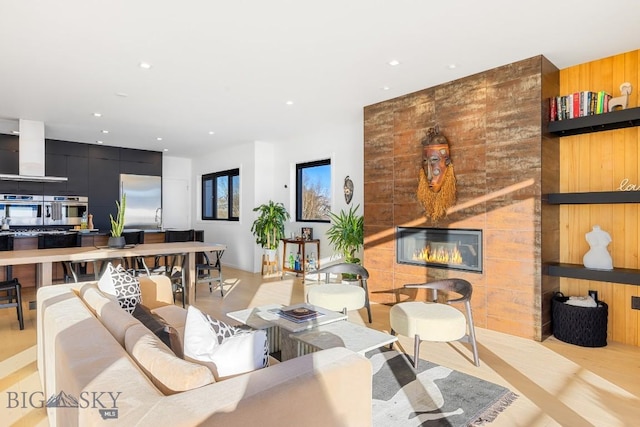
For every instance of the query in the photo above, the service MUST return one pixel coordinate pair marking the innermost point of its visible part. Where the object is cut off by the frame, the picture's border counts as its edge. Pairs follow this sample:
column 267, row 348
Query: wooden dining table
column 44, row 258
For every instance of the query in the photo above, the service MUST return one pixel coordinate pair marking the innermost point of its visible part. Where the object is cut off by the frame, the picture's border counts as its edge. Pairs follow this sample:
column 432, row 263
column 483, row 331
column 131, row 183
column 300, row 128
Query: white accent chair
column 434, row 321
column 339, row 296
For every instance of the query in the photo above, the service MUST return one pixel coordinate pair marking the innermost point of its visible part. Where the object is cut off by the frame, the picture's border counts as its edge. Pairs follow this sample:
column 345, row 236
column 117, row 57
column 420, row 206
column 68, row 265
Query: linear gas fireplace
column 451, row 248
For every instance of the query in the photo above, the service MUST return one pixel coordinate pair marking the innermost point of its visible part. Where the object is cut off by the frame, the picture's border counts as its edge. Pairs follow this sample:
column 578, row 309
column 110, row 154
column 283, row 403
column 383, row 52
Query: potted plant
column 346, row 233
column 268, row 228
column 117, row 225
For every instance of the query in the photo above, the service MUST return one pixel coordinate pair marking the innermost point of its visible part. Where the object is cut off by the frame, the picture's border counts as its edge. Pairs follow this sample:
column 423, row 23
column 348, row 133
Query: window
column 313, row 191
column 221, row 195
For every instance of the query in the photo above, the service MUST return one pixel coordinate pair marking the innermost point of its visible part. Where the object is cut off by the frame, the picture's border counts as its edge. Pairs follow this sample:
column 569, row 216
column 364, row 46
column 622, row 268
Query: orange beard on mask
column 436, row 204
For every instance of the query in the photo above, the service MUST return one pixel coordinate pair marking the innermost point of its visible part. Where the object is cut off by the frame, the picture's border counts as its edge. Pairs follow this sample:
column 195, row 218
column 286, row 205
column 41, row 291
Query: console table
column 301, row 245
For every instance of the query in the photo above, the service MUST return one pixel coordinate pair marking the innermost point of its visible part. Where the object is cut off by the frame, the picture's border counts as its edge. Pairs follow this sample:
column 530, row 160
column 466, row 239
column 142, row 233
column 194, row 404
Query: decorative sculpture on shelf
column 623, row 100
column 598, row 256
column 348, row 189
column 437, row 183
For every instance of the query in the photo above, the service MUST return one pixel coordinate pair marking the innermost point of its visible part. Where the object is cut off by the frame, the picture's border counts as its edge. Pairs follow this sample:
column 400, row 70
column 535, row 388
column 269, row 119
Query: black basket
column 583, row 326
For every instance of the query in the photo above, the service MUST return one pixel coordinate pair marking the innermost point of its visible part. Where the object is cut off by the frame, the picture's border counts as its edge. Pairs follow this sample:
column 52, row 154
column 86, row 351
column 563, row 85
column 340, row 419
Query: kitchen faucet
column 158, row 218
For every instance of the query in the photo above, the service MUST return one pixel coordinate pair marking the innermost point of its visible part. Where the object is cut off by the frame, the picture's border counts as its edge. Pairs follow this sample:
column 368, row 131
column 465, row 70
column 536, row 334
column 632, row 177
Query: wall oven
column 21, row 209
column 65, row 210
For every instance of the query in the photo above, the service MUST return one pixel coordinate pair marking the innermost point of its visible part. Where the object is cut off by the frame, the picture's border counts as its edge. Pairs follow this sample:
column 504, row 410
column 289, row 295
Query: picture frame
column 307, row 233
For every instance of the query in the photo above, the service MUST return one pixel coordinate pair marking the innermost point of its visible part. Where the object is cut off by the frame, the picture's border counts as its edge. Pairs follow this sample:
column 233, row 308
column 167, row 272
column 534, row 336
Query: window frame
column 300, row 167
column 213, row 177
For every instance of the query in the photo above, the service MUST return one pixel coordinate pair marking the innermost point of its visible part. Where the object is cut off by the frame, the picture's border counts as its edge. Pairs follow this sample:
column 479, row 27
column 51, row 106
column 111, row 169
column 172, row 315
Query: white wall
column 265, row 169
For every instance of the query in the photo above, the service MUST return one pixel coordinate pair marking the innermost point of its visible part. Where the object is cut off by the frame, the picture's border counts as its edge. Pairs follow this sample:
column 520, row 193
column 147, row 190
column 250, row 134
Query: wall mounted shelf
column 576, row 271
column 596, row 123
column 597, row 197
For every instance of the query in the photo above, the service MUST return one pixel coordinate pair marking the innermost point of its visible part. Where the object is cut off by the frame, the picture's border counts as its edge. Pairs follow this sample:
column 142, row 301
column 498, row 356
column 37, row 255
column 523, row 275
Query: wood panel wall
column 493, row 121
column 599, row 162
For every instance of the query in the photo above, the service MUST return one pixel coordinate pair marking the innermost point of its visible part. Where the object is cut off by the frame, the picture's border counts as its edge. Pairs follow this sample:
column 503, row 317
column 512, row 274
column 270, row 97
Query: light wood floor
column 558, row 383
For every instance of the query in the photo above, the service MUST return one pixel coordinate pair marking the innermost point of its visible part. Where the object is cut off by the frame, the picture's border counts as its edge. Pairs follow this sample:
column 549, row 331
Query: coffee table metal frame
column 296, row 339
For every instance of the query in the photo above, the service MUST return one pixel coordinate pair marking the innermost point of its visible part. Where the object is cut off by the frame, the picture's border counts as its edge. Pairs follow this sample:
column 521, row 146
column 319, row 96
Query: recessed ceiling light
column 15, row 132
column 145, row 65
column 166, row 149
column 394, row 62
column 97, row 114
column 289, row 102
column 451, row 66
column 158, row 139
column 122, row 94
column 211, row 132
column 385, row 88
column 99, row 142
column 105, row 131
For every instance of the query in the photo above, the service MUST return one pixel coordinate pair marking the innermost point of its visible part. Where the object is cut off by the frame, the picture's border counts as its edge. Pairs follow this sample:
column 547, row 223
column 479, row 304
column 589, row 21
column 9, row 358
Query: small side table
column 270, row 265
column 301, row 244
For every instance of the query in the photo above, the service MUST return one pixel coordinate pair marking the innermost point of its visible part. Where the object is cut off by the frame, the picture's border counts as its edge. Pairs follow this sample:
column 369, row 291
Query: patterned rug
column 436, row 396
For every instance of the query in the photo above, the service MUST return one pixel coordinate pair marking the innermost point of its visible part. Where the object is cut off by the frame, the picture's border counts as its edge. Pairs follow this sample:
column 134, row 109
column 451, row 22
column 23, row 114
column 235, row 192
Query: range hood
column 31, row 146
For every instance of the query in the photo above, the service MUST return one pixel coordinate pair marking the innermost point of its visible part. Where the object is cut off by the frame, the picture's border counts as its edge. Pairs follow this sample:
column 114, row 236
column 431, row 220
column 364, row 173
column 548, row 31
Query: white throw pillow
column 118, row 282
column 230, row 349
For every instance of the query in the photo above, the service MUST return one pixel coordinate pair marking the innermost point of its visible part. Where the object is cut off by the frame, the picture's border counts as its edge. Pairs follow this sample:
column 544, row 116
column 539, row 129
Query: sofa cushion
column 156, row 324
column 116, row 320
column 125, row 287
column 226, row 350
column 156, row 290
column 93, row 297
column 167, row 371
column 175, row 316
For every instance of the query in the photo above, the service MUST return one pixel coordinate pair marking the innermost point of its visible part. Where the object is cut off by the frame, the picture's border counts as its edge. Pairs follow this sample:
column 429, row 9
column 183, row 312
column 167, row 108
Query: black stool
column 13, row 297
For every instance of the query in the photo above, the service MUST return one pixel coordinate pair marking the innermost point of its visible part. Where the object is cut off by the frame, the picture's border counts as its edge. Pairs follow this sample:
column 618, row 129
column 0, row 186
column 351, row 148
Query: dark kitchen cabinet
column 92, row 170
column 104, row 181
column 140, row 162
column 71, row 160
column 9, row 157
column 78, row 174
column 9, row 160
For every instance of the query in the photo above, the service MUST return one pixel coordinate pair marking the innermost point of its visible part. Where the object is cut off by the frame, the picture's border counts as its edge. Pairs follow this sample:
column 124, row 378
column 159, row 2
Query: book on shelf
column 578, row 104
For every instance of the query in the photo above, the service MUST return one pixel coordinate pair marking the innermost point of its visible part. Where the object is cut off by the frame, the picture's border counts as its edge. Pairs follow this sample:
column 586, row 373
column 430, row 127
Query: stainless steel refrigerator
column 144, row 201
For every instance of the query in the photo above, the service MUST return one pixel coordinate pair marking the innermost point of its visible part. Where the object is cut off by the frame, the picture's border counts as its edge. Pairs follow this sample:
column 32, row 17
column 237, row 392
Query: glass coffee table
column 296, row 338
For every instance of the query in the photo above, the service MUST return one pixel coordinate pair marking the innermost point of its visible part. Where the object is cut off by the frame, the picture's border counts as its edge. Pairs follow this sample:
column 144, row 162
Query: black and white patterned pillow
column 125, row 287
column 224, row 331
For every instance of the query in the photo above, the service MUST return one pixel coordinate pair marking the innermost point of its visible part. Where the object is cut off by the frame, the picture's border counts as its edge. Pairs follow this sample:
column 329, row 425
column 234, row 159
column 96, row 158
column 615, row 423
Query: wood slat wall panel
column 599, row 162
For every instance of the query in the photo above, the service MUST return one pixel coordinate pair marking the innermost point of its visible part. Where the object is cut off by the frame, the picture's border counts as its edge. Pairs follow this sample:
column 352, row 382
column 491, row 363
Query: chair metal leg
column 393, row 333
column 472, row 334
column 366, row 297
column 416, row 351
column 19, row 308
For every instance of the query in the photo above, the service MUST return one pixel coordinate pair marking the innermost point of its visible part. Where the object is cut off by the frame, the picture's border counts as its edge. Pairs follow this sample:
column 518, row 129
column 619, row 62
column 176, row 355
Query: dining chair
column 10, row 288
column 135, row 265
column 436, row 321
column 210, row 271
column 175, row 264
column 6, row 244
column 73, row 270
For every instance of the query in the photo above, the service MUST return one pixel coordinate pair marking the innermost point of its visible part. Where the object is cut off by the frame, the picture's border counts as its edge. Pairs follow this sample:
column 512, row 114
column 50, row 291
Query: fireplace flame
column 440, row 255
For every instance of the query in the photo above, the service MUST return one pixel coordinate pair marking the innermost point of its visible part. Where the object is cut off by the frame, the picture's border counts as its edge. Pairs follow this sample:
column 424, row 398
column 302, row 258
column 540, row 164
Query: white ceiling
column 231, row 66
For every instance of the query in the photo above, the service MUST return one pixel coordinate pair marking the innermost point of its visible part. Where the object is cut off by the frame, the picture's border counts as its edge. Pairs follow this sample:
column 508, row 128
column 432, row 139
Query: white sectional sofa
column 83, row 338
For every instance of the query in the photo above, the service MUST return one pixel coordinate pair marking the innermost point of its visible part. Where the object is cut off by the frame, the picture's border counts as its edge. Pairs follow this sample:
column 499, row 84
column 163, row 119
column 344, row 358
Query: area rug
column 431, row 396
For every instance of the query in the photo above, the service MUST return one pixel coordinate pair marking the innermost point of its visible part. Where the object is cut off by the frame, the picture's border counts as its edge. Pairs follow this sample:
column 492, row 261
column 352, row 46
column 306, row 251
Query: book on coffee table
column 298, row 315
